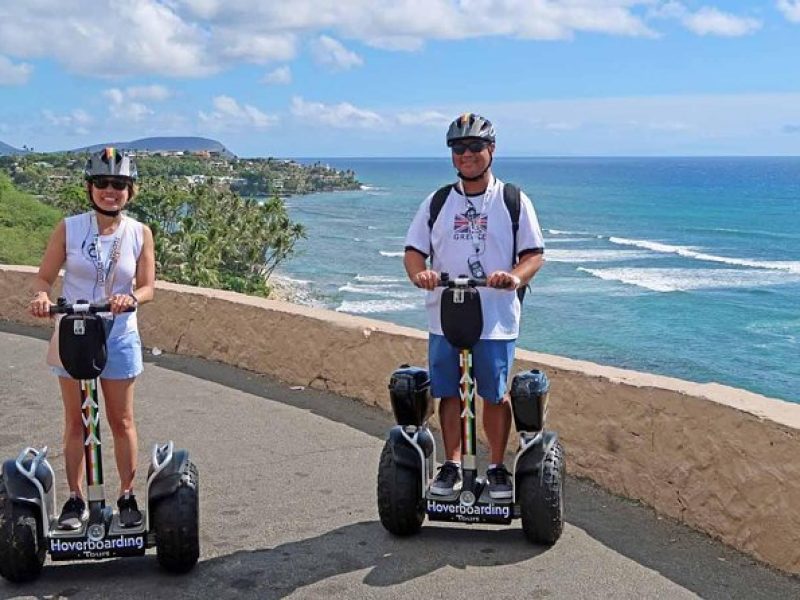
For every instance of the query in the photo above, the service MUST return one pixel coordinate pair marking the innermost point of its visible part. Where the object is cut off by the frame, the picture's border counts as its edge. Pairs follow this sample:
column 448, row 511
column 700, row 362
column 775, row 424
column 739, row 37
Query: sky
column 361, row 78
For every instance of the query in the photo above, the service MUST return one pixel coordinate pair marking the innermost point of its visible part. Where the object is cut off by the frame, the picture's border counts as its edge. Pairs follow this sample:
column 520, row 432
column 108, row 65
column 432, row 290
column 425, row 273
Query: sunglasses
column 474, row 146
column 102, row 183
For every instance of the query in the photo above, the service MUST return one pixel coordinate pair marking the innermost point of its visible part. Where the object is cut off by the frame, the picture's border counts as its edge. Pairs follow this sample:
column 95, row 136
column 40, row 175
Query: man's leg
column 497, row 425
column 493, row 360
column 444, row 373
column 450, row 421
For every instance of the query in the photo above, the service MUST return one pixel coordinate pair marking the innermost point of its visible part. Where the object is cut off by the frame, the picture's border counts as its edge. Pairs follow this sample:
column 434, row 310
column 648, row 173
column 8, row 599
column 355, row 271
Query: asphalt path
column 288, row 506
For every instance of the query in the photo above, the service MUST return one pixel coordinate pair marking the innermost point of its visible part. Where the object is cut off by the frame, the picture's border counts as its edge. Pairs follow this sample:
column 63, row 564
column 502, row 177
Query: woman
column 106, row 256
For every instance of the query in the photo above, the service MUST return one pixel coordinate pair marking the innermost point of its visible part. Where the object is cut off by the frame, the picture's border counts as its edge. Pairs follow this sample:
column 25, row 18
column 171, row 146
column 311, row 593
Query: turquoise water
column 688, row 267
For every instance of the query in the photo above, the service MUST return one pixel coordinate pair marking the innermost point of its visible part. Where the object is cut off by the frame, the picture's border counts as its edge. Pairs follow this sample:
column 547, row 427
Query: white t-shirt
column 81, row 267
column 470, row 227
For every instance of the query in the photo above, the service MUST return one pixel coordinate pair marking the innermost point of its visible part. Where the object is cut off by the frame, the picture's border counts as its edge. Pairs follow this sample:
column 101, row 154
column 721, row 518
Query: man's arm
column 528, row 265
column 417, row 270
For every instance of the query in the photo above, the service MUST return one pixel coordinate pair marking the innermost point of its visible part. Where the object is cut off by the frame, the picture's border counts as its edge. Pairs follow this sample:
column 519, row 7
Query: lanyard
column 106, row 268
column 476, row 242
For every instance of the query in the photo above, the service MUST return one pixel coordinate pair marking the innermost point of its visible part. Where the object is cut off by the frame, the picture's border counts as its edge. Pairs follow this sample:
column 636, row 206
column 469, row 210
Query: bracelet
column 135, row 300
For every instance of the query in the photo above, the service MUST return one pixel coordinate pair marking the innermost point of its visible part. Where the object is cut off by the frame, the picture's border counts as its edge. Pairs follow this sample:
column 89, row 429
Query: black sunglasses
column 474, row 146
column 102, row 183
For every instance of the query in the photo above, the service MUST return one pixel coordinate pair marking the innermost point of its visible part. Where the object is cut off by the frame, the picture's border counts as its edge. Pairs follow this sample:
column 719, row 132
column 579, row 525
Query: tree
column 212, row 237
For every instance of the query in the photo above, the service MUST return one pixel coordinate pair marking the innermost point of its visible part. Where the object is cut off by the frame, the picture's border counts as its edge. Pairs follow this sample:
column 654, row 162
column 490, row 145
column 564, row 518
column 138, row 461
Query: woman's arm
column 146, row 269
column 54, row 257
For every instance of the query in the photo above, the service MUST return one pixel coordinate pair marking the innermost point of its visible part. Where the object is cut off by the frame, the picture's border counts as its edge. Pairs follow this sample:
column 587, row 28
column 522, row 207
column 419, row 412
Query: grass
column 25, row 225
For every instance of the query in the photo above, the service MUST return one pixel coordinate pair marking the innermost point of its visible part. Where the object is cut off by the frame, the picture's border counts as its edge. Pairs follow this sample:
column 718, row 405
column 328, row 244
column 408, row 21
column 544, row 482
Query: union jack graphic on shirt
column 469, row 224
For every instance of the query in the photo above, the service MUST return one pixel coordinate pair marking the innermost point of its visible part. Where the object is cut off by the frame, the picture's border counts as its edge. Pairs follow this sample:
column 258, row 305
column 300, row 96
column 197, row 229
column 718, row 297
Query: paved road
column 288, row 507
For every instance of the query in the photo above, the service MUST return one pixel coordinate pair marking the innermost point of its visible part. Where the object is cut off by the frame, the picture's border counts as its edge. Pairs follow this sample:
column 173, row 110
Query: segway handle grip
column 64, row 308
column 462, row 281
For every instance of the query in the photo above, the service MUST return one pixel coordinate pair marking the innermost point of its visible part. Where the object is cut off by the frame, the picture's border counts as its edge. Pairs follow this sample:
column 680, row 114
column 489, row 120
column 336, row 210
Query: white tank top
column 86, row 270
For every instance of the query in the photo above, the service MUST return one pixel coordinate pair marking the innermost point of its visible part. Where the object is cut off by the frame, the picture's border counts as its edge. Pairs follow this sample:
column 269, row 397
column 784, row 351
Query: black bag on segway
column 529, row 393
column 82, row 344
column 409, row 391
column 462, row 317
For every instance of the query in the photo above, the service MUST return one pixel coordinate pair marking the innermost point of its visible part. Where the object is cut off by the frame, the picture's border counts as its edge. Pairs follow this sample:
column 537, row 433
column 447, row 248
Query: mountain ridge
column 152, row 144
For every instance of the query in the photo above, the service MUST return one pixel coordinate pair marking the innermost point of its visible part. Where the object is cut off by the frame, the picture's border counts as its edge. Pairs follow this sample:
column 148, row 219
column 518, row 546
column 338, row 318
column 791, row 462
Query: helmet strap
column 103, row 211
column 479, row 176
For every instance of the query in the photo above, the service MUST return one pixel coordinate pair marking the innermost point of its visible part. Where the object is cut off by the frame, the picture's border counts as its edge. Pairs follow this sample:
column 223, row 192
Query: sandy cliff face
column 719, row 459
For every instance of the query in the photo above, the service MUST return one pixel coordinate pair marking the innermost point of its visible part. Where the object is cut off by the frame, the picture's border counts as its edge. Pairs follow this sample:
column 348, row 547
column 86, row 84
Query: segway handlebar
column 462, row 281
column 65, row 308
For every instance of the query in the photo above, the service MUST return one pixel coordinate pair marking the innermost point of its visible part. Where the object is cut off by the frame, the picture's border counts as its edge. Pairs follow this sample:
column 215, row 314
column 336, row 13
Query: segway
column 28, row 519
column 407, row 461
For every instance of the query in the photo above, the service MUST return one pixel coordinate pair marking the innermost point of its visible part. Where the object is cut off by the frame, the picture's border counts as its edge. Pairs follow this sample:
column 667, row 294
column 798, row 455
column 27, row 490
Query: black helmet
column 110, row 162
column 470, row 125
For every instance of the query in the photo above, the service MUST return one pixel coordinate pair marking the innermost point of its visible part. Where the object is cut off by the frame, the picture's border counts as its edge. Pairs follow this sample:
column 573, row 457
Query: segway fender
column 174, row 474
column 21, row 489
column 531, row 460
column 405, row 454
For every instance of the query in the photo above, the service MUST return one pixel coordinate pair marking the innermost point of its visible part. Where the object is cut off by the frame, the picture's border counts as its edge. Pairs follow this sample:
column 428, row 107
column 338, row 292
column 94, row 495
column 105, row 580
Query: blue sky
column 371, row 78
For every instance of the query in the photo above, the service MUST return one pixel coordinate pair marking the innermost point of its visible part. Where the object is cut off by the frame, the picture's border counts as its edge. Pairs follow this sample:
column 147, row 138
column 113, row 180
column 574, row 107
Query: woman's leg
column 118, row 394
column 73, row 432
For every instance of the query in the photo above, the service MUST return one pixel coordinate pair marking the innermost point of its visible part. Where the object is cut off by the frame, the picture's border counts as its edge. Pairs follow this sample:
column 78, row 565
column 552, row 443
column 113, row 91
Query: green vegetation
column 47, row 174
column 205, row 235
column 25, row 225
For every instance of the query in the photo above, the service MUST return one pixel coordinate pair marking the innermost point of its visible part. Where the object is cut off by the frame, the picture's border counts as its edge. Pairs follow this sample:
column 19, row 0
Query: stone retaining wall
column 719, row 459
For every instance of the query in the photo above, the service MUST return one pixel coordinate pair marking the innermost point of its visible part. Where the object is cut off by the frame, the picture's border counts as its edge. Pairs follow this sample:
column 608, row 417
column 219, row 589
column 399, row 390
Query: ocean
column 687, row 267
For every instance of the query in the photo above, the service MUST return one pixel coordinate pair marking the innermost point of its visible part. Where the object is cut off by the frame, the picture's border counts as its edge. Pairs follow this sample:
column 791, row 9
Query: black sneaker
column 499, row 483
column 447, row 480
column 129, row 514
column 73, row 514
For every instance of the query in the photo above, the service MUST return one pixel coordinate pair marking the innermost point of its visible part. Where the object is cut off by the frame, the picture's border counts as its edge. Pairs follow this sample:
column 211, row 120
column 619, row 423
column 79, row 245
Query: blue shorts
column 124, row 358
column 491, row 361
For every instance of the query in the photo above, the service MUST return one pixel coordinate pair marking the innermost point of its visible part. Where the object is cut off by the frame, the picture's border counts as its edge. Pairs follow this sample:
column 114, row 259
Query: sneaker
column 73, row 514
column 447, row 480
column 499, row 483
column 129, row 514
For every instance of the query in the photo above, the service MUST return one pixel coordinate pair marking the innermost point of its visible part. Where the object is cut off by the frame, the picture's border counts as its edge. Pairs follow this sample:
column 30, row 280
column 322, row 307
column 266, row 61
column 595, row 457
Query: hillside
column 6, row 149
column 166, row 144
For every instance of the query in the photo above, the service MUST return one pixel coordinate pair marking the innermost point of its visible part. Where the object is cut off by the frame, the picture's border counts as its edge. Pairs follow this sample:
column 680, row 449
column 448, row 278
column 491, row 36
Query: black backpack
column 512, row 199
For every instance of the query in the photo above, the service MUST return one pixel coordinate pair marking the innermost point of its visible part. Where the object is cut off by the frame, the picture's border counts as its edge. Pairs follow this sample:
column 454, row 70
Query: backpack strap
column 512, row 199
column 437, row 202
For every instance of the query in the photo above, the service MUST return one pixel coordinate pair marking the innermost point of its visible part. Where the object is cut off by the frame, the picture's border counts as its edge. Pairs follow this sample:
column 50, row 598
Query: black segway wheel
column 22, row 544
column 177, row 527
column 541, row 499
column 399, row 496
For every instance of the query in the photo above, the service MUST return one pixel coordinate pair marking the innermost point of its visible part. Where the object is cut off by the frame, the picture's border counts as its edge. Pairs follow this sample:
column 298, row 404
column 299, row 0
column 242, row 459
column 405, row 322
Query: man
column 473, row 234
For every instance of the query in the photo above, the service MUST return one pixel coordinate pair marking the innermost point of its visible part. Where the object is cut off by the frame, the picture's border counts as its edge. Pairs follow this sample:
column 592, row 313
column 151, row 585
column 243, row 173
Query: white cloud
column 260, row 48
column 710, row 21
column 279, row 76
column 426, row 118
column 790, row 9
column 332, row 54
column 75, row 122
column 343, row 115
column 113, row 39
column 13, row 74
column 229, row 114
column 123, row 102
column 707, row 20
column 154, row 92
column 195, row 38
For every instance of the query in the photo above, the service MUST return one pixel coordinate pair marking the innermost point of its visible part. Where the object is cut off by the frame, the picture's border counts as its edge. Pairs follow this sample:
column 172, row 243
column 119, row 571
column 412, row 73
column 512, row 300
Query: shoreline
column 286, row 289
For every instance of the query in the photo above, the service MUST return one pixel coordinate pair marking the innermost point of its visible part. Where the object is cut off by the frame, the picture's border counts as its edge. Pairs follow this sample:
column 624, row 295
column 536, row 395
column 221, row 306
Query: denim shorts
column 124, row 358
column 491, row 362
